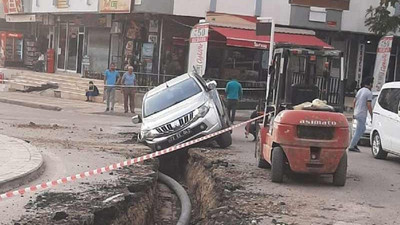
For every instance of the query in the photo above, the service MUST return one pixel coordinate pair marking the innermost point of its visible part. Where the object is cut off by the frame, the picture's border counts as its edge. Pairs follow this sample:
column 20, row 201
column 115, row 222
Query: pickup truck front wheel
column 224, row 140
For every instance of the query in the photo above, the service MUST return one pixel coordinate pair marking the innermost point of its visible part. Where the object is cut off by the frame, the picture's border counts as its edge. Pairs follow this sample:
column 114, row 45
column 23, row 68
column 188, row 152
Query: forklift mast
column 299, row 75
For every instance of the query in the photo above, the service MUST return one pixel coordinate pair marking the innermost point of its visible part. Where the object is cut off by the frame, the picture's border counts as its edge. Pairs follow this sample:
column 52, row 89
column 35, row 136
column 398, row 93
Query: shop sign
column 260, row 45
column 115, row 6
column 22, row 18
column 382, row 62
column 13, row 35
column 360, row 64
column 133, row 30
column 147, row 56
column 153, row 38
column 153, row 26
column 198, row 48
column 12, row 6
column 148, row 50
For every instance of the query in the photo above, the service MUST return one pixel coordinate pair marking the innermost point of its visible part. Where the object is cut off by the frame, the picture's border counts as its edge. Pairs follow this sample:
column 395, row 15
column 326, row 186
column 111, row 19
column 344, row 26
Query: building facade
column 152, row 34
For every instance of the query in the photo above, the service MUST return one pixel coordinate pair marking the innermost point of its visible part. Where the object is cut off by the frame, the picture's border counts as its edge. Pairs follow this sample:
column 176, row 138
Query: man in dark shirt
column 91, row 92
column 252, row 127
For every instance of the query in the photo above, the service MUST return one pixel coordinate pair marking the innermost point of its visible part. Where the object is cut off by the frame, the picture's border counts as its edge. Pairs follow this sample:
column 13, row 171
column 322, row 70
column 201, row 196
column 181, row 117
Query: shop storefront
column 77, row 36
column 155, row 45
column 176, row 33
column 241, row 54
column 360, row 55
column 371, row 45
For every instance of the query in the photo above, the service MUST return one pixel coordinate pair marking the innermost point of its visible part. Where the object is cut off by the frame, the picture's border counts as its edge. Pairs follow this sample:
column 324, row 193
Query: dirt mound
column 33, row 125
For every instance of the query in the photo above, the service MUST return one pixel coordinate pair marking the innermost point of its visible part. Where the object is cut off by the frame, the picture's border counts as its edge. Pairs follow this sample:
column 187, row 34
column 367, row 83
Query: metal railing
column 146, row 81
column 329, row 89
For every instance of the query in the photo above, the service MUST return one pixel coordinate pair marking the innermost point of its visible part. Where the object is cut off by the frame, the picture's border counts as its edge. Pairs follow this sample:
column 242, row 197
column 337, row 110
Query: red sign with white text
column 198, row 49
column 12, row 6
column 382, row 62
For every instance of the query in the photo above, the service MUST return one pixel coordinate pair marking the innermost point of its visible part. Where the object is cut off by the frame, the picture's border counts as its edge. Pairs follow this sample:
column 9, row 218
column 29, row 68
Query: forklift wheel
column 339, row 177
column 261, row 162
column 278, row 165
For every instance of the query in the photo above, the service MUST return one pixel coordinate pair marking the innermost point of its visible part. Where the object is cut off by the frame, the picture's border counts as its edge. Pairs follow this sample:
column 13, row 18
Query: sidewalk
column 35, row 100
column 19, row 162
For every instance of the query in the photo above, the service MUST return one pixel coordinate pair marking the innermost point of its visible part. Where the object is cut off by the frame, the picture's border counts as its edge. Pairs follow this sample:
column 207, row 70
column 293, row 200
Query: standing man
column 128, row 81
column 110, row 79
column 233, row 92
column 362, row 105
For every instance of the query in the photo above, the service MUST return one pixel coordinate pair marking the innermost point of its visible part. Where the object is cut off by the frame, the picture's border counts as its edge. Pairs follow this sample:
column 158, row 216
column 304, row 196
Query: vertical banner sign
column 2, row 49
column 198, row 48
column 360, row 64
column 382, row 62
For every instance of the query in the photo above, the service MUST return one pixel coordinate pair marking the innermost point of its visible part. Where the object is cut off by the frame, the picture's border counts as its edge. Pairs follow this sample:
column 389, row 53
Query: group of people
column 112, row 80
column 234, row 92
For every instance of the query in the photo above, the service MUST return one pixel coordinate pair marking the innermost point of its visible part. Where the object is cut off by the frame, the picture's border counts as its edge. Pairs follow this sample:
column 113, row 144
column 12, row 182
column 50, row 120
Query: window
column 317, row 14
column 171, row 96
column 389, row 99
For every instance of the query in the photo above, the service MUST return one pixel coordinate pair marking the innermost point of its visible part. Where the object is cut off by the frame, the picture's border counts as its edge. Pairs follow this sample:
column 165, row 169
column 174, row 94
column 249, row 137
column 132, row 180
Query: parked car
column 365, row 139
column 182, row 109
column 385, row 136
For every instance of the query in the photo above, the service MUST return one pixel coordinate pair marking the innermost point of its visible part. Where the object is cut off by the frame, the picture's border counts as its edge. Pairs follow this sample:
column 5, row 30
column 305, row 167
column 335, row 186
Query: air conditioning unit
column 116, row 28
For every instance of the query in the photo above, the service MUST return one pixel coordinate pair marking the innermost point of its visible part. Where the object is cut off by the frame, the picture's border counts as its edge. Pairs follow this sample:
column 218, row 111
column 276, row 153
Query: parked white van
column 385, row 133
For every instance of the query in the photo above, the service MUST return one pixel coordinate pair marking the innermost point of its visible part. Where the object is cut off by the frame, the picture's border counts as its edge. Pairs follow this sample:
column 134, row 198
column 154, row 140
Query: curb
column 31, row 104
column 29, row 175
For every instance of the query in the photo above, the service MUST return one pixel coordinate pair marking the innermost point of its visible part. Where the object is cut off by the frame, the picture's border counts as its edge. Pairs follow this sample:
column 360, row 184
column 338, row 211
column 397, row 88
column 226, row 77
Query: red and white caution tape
column 115, row 166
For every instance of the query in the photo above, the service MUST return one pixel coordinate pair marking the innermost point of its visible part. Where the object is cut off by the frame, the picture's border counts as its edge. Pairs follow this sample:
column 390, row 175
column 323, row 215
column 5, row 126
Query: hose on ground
column 186, row 206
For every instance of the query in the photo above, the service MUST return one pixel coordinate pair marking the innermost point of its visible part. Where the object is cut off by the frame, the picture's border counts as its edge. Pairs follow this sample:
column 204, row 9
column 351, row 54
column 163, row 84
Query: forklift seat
column 304, row 93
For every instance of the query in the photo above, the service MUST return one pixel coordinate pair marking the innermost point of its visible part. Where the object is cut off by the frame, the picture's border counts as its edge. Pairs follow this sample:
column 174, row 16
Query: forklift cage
column 299, row 75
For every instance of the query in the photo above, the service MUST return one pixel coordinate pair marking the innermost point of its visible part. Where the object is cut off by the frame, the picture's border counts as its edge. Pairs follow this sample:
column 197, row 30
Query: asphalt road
column 371, row 195
column 79, row 142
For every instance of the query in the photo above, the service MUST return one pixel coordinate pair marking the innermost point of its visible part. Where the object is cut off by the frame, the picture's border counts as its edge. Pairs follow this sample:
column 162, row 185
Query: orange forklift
column 298, row 133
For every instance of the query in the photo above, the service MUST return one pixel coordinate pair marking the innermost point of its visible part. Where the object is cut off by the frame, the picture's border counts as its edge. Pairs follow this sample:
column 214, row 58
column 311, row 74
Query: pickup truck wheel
column 152, row 147
column 377, row 150
column 339, row 177
column 278, row 165
column 224, row 140
column 261, row 162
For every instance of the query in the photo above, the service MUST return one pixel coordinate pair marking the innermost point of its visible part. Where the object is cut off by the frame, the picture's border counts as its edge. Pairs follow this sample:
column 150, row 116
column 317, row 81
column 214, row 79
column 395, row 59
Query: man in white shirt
column 362, row 105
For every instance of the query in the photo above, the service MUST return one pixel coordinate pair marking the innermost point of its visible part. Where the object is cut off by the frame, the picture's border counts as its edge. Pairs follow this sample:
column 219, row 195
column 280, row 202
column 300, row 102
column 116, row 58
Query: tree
column 381, row 19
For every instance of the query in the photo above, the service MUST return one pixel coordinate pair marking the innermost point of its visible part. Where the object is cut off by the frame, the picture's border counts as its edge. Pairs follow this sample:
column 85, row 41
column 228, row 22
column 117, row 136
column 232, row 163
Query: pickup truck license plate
column 179, row 135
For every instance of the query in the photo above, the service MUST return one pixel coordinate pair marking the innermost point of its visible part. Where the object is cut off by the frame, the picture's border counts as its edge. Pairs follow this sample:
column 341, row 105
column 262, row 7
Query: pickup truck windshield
column 171, row 96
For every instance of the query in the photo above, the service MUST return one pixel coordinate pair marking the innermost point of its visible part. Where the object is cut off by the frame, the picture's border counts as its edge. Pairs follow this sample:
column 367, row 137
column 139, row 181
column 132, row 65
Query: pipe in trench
column 186, row 206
